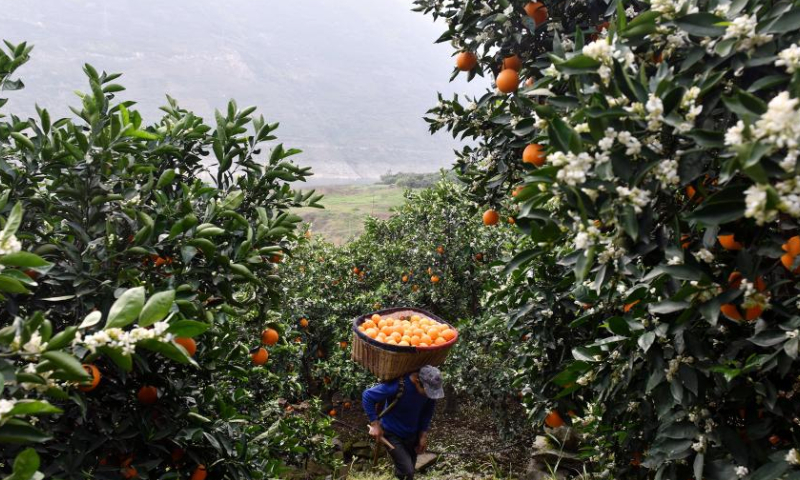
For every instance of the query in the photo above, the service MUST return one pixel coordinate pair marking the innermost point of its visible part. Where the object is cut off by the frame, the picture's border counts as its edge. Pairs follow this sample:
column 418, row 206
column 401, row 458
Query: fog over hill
column 349, row 80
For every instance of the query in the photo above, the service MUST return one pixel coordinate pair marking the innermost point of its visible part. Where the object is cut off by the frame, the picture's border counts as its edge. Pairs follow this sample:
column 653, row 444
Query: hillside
column 348, row 79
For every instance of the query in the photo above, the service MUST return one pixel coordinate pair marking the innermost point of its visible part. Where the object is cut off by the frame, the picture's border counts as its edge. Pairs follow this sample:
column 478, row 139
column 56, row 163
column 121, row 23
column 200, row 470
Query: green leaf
column 122, row 360
column 646, row 341
column 25, row 465
column 15, row 431
column 126, row 309
column 24, row 260
column 630, row 223
column 11, row 285
column 92, row 319
column 166, row 178
column 578, row 64
column 701, row 24
column 63, row 338
column 187, row 328
column 167, row 349
column 786, row 22
column 33, row 407
column 67, row 363
column 156, row 308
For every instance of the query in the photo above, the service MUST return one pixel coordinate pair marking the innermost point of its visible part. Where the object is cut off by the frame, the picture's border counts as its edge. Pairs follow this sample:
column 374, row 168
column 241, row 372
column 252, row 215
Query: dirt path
column 471, row 430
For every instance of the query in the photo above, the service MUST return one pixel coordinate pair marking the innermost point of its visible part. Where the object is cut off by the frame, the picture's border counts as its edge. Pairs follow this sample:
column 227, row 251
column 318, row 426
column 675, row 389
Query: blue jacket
column 411, row 415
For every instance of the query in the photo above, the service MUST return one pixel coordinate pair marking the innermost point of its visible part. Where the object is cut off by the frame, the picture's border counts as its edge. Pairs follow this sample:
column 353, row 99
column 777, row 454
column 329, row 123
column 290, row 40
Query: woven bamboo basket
column 388, row 362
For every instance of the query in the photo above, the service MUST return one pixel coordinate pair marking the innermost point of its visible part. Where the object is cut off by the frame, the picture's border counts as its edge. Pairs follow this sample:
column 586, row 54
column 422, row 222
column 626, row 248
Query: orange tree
column 653, row 150
column 431, row 253
column 148, row 250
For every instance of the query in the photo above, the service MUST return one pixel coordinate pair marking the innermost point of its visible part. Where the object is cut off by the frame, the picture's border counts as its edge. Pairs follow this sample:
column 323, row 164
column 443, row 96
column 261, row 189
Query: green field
column 346, row 208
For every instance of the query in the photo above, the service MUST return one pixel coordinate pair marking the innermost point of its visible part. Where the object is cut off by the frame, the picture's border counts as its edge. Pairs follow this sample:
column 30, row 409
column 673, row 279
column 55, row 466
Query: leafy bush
column 179, row 212
column 431, row 253
column 660, row 291
column 411, row 180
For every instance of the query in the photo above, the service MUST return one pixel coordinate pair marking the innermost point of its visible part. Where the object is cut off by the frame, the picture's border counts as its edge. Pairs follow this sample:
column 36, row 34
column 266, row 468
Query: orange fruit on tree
column 129, row 472
column 304, row 322
column 343, row 345
column 753, row 313
column 435, row 279
column 787, row 259
column 729, row 242
column 792, row 246
column 519, row 189
column 628, row 306
column 347, row 404
column 774, row 439
column 147, row 395
column 277, row 258
column 95, row 373
column 761, row 286
column 507, row 81
column 512, row 220
column 730, row 311
column 260, row 356
column 490, row 217
column 414, row 288
column 199, row 473
column 356, row 270
column 269, row 337
column 187, row 343
column 553, row 419
column 513, row 62
column 735, row 279
column 478, row 257
column 537, row 11
column 534, row 154
column 466, row 61
column 332, row 413
column 440, row 250
column 405, row 278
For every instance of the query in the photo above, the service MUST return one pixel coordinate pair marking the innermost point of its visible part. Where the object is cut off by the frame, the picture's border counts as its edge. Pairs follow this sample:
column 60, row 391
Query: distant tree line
column 414, row 180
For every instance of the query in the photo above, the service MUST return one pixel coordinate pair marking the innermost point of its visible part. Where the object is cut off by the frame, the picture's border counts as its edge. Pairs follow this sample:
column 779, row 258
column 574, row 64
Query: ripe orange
column 730, row 311
column 537, row 11
column 787, row 259
column 269, row 337
column 513, row 62
column 435, row 279
column 440, row 250
column 332, row 413
column 761, row 286
column 517, row 190
column 508, row 81
column 478, row 257
column 774, row 439
column 95, row 373
column 554, row 420
column 188, row 343
column 343, row 345
column 490, row 217
column 753, row 313
column 405, row 278
column 277, row 258
column 466, row 61
column 303, row 323
column 690, row 192
column 512, row 220
column 534, row 154
column 729, row 242
column 356, row 270
column 792, row 246
column 628, row 306
column 129, row 472
column 735, row 280
column 147, row 395
column 199, row 473
column 260, row 356
column 347, row 404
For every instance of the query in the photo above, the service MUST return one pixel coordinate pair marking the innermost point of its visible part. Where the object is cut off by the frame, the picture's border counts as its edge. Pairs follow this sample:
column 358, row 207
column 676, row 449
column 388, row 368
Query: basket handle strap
column 401, row 387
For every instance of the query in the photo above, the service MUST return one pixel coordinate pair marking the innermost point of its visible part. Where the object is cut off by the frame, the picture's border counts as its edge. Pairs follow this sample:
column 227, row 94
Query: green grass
column 346, row 208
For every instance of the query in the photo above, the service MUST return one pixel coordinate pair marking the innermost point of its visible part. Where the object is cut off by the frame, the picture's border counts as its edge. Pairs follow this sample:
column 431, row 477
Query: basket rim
column 398, row 348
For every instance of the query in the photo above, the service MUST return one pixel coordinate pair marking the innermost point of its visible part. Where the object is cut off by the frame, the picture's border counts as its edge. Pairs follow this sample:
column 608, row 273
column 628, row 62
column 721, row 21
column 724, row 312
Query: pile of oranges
column 416, row 330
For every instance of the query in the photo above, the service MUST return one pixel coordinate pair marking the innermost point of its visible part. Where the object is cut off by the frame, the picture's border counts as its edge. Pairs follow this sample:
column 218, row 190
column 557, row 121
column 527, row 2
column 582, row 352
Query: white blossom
column 756, row 204
column 655, row 113
column 631, row 143
column 790, row 58
column 704, row 255
column 667, row 173
column 743, row 29
column 34, row 345
column 793, row 457
column 734, row 136
column 635, row 196
column 9, row 245
column 789, row 196
column 6, row 406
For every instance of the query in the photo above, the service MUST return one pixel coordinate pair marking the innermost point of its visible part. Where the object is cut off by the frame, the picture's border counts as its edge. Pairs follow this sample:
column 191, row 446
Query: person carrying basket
column 404, row 422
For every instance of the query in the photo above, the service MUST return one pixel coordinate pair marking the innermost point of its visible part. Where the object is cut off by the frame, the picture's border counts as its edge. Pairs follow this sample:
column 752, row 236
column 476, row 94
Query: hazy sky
column 349, row 80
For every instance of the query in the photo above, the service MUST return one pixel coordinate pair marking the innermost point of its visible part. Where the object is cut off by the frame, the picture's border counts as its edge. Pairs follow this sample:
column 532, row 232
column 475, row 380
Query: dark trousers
column 404, row 455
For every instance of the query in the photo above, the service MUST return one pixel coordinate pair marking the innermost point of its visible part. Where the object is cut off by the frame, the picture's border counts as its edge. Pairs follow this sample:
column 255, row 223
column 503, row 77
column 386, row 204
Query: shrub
column 179, row 212
column 660, row 293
